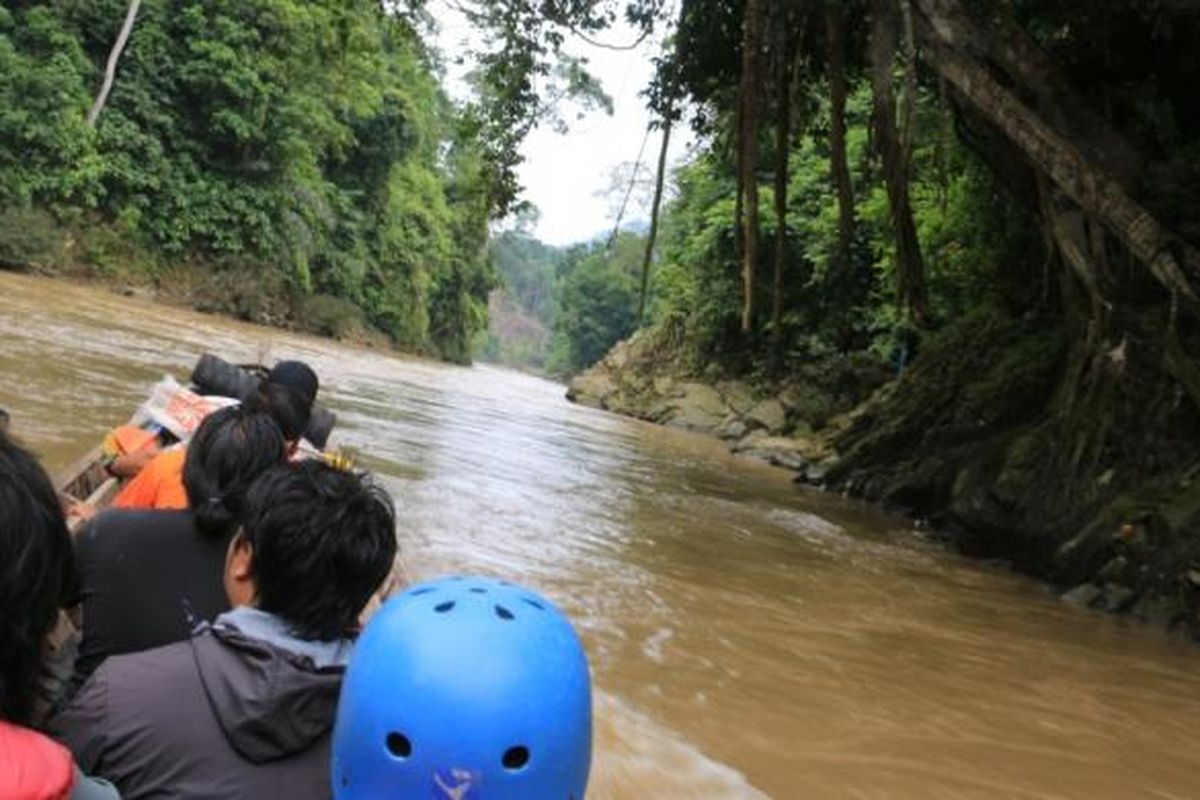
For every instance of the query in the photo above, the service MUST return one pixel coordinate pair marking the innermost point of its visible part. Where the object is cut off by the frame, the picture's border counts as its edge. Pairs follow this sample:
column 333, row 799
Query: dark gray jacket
column 223, row 715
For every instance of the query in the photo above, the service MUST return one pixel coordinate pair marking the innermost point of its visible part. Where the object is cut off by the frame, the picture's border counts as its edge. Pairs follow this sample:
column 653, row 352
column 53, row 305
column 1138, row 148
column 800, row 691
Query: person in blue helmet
column 465, row 689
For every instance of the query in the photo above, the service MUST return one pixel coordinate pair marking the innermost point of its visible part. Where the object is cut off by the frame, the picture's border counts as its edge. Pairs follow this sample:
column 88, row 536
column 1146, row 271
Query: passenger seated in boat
column 147, row 577
column 35, row 576
column 160, row 484
column 244, row 709
column 133, row 449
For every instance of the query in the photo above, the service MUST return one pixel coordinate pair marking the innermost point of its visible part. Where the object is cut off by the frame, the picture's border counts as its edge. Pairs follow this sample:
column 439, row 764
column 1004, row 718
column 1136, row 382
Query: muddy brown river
column 747, row 639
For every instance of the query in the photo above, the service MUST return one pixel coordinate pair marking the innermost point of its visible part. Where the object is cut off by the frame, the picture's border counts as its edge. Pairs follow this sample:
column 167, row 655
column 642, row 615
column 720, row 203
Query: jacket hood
column 271, row 703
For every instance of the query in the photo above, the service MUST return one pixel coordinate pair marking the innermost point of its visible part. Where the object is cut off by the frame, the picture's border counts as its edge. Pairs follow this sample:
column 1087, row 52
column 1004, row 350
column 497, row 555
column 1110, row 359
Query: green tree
column 597, row 301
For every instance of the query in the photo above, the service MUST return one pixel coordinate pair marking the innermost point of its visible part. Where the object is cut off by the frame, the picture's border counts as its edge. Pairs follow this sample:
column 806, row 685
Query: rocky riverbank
column 786, row 423
column 973, row 440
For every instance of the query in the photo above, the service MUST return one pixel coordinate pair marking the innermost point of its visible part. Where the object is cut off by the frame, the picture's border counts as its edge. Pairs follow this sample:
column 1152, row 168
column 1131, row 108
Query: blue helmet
column 465, row 689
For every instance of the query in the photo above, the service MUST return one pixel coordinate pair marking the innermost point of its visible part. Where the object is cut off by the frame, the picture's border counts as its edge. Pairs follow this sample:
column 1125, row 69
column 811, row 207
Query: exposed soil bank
column 988, row 438
column 236, row 292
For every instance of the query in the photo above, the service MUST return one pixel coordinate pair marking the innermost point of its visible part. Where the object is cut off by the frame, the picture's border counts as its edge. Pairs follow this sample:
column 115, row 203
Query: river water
column 747, row 639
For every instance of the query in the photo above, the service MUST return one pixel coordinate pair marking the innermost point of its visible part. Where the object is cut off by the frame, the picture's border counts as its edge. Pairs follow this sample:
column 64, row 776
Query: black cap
column 296, row 375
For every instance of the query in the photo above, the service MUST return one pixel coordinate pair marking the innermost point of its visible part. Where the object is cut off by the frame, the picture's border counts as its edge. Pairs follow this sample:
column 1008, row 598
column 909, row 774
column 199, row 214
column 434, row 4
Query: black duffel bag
column 213, row 375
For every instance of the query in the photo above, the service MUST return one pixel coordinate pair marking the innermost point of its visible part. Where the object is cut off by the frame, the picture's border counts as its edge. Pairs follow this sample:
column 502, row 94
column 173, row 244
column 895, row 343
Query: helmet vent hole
column 426, row 590
column 516, row 758
column 534, row 603
column 442, row 608
column 478, row 590
column 504, row 614
column 399, row 745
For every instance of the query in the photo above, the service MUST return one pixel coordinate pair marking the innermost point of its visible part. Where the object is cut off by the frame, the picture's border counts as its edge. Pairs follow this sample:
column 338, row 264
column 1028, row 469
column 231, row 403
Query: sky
column 569, row 177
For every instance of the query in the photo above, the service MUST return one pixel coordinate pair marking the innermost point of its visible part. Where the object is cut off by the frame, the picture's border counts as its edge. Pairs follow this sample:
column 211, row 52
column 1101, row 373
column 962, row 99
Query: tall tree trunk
column 1085, row 182
column 748, row 154
column 835, row 39
column 110, row 70
column 910, row 268
column 783, row 135
column 1009, row 47
column 658, row 192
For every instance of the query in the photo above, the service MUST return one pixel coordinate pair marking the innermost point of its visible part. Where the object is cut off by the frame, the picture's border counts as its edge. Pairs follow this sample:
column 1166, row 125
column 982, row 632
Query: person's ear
column 239, row 572
column 241, row 557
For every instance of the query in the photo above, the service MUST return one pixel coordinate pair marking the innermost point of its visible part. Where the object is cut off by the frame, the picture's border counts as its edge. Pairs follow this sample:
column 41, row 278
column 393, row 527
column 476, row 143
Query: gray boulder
column 769, row 415
column 700, row 408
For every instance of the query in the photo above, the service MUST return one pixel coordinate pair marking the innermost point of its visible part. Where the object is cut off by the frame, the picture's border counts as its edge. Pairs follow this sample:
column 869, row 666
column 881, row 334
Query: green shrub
column 327, row 315
column 31, row 240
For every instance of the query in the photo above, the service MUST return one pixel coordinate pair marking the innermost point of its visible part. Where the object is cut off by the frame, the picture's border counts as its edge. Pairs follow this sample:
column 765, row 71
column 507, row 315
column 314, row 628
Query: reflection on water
column 748, row 640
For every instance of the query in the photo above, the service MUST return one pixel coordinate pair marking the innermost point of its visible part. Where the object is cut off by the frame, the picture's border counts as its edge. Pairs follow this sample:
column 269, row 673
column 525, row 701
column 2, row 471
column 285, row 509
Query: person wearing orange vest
column 287, row 395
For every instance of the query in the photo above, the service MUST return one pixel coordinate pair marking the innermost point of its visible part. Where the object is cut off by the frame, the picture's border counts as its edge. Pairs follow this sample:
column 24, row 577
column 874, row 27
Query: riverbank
column 242, row 291
column 788, row 423
column 370, row 304
column 972, row 441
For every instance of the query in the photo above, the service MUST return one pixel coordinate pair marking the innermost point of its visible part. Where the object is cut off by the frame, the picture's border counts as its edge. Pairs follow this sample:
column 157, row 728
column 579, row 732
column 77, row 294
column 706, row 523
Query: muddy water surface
column 748, row 640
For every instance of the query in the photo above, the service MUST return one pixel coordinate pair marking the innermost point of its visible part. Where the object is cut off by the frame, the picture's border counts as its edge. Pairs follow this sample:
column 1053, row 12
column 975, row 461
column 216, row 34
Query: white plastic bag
column 178, row 409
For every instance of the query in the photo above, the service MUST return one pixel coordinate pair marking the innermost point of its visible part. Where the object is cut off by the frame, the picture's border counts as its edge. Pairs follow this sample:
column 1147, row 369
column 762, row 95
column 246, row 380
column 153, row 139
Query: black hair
column 323, row 541
column 36, row 574
column 298, row 376
column 232, row 447
column 287, row 407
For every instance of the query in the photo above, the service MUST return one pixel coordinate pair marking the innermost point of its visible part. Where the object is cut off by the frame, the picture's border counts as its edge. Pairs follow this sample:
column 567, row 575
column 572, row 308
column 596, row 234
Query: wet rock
column 699, row 409
column 660, row 413
column 732, row 428
column 782, row 451
column 591, row 388
column 817, row 472
column 664, row 386
column 769, row 415
column 1159, row 611
column 1083, row 596
column 1117, row 599
column 738, row 396
column 749, row 441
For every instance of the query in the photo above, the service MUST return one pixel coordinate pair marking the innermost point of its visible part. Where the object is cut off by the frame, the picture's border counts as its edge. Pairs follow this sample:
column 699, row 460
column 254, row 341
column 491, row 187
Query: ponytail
column 231, row 448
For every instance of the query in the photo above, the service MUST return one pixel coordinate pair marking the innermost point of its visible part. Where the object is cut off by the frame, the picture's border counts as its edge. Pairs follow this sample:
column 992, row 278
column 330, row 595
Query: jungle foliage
column 1008, row 188
column 308, row 141
column 900, row 187
column 580, row 301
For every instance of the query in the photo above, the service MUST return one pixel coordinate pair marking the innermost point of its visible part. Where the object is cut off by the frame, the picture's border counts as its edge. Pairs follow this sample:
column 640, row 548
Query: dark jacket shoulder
column 219, row 715
column 146, row 578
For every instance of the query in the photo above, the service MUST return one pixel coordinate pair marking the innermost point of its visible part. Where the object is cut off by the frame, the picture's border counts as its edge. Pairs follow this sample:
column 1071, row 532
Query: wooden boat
column 87, row 481
column 177, row 411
